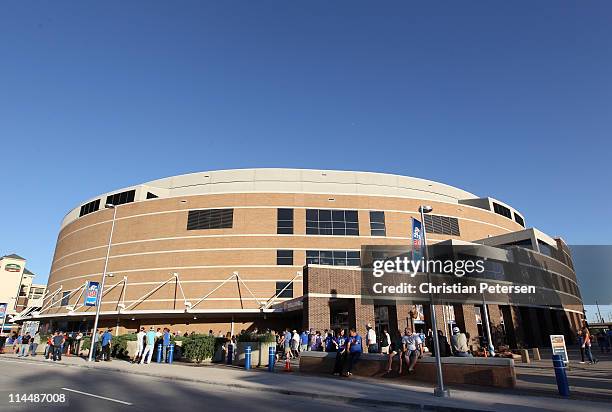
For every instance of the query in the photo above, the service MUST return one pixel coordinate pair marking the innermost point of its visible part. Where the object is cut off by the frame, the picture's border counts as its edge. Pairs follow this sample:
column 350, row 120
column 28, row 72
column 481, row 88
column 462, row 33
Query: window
column 545, row 248
column 518, row 219
column 442, row 225
column 284, row 257
column 23, row 290
column 333, row 258
column 121, row 198
column 284, row 289
column 210, row 219
column 502, row 210
column 377, row 223
column 332, row 222
column 284, row 221
column 65, row 298
column 151, row 195
column 90, row 207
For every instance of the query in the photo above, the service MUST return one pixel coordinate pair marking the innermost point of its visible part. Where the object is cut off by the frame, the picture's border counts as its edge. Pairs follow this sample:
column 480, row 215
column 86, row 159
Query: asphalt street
column 99, row 390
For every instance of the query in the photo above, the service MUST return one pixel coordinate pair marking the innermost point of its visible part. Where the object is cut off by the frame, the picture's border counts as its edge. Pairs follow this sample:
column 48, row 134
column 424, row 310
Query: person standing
column 58, row 342
column 140, row 340
column 286, row 343
column 78, row 339
column 107, row 338
column 166, row 343
column 371, row 339
column 580, row 340
column 354, row 349
column 35, row 343
column 49, row 347
column 25, row 345
column 303, row 341
column 150, row 344
column 340, row 344
column 385, row 342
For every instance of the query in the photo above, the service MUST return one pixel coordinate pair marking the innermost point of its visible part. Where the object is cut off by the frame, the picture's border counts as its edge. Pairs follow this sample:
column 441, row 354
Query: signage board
column 557, row 343
column 91, row 295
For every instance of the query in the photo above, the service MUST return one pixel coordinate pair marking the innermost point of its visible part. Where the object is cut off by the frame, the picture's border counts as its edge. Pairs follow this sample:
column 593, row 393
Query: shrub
column 198, row 347
column 252, row 337
column 119, row 344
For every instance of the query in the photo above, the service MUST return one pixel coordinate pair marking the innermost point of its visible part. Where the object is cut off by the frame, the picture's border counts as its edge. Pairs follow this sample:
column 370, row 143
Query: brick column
column 494, row 324
column 364, row 314
column 469, row 321
column 516, row 323
column 316, row 313
column 403, row 317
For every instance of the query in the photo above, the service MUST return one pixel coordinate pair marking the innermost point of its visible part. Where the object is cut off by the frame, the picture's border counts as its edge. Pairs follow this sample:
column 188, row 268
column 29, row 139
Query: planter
column 240, row 347
column 264, row 348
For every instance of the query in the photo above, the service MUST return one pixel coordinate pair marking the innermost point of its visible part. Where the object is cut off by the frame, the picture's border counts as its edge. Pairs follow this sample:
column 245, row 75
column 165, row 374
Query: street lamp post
column 99, row 297
column 440, row 390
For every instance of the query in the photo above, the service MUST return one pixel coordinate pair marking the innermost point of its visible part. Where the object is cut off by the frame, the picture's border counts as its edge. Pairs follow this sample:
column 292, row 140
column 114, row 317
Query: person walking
column 58, row 343
column 371, row 339
column 150, row 344
column 580, row 340
column 587, row 345
column 107, row 338
column 166, row 343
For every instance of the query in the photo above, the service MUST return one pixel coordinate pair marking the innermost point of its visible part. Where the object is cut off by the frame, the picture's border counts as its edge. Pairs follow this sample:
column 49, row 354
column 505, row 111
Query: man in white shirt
column 371, row 339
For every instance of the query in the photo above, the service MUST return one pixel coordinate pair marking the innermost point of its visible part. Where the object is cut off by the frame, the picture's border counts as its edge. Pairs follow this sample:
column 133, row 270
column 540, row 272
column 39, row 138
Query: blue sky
column 513, row 101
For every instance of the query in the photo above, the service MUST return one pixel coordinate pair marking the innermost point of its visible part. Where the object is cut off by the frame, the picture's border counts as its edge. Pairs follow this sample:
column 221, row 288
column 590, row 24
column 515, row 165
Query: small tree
column 198, row 347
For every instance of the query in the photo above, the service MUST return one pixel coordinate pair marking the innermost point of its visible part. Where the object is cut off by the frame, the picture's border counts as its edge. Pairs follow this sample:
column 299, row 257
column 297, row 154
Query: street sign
column 91, row 297
column 557, row 342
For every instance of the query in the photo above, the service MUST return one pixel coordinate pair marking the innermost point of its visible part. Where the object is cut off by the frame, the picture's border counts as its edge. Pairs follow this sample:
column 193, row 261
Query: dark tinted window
column 502, row 210
column 284, row 221
column 284, row 289
column 518, row 219
column 210, row 219
column 65, row 298
column 332, row 222
column 333, row 258
column 121, row 198
column 90, row 207
column 284, row 257
column 151, row 195
column 442, row 225
column 377, row 223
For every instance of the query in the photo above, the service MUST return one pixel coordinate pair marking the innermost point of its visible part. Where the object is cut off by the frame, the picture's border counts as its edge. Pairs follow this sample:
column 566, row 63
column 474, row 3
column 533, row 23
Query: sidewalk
column 354, row 391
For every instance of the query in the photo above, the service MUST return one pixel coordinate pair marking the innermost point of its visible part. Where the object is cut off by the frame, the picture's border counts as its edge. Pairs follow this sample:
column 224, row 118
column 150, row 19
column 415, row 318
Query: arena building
column 236, row 249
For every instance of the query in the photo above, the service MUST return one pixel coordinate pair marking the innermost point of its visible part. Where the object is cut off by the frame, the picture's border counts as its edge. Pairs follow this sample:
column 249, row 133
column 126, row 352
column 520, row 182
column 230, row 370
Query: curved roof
column 278, row 180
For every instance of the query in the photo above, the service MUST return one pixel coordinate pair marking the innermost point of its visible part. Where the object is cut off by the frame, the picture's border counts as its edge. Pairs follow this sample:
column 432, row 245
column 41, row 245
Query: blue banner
column 3, row 310
column 91, row 297
column 417, row 240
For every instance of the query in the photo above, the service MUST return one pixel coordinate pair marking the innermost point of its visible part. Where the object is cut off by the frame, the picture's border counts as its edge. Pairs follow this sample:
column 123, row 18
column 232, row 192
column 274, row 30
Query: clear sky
column 505, row 99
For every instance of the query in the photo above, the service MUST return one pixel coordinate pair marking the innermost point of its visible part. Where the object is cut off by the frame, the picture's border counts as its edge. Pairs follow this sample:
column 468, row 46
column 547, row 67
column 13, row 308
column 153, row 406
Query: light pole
column 99, row 297
column 439, row 390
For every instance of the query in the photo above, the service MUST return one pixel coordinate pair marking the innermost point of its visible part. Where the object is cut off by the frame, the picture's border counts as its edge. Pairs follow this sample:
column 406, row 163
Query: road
column 102, row 390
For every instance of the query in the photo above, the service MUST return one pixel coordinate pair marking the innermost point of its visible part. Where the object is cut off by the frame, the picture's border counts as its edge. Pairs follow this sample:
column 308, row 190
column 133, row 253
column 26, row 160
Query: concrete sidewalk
column 354, row 391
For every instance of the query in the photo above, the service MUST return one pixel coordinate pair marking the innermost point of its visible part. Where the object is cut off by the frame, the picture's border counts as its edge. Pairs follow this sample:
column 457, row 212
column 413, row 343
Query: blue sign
column 417, row 240
column 3, row 307
column 91, row 297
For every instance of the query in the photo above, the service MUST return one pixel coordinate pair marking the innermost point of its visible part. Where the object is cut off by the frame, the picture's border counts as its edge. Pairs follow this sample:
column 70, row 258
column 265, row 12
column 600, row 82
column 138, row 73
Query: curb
column 412, row 406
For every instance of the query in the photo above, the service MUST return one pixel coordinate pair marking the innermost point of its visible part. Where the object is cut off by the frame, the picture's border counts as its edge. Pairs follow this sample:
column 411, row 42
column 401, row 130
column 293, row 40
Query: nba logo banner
column 91, row 297
column 417, row 240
